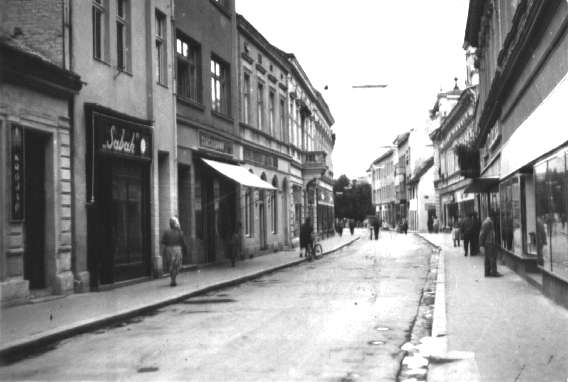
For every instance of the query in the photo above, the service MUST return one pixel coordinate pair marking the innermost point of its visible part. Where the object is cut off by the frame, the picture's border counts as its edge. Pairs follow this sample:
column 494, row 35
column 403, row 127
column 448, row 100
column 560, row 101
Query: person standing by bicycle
column 306, row 237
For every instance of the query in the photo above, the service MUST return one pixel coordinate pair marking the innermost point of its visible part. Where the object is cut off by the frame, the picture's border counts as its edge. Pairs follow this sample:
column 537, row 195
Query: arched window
column 274, row 197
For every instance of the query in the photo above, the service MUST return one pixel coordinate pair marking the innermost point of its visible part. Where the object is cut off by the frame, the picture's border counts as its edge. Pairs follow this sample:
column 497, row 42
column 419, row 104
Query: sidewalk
column 503, row 328
column 31, row 325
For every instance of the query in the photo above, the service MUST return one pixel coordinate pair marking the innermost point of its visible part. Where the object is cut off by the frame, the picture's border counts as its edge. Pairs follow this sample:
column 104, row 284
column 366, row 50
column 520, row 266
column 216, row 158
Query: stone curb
column 33, row 342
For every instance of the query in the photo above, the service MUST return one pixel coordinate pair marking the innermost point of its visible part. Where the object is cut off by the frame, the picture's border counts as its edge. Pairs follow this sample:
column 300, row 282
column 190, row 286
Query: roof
column 468, row 96
column 421, row 170
column 401, row 139
column 383, row 156
column 21, row 64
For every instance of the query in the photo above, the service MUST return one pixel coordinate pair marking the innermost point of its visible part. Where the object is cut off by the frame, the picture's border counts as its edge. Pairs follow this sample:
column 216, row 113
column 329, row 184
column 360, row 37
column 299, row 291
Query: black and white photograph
column 298, row 190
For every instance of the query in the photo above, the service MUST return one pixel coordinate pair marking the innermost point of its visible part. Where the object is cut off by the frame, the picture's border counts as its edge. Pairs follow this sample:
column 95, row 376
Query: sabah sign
column 113, row 136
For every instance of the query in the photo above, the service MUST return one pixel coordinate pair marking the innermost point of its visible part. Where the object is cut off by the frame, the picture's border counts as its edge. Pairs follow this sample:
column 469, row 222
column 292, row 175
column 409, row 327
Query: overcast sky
column 414, row 46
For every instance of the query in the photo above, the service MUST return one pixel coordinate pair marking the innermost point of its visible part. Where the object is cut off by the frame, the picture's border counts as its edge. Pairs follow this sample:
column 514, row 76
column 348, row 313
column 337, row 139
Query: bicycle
column 316, row 250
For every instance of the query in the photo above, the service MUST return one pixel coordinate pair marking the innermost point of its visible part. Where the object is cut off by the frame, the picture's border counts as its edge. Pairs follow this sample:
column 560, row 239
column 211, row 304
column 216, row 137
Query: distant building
column 421, row 195
column 382, row 174
column 457, row 128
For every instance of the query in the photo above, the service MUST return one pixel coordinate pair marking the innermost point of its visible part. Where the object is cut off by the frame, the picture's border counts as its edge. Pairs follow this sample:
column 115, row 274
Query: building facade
column 36, row 94
column 263, row 123
column 382, row 172
column 457, row 128
column 421, row 195
column 129, row 113
column 521, row 54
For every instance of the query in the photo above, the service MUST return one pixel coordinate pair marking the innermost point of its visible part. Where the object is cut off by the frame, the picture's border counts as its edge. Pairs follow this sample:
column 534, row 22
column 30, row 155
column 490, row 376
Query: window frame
column 192, row 60
column 260, row 86
column 99, row 33
column 247, row 90
column 160, row 38
column 123, row 49
column 220, row 103
column 271, row 111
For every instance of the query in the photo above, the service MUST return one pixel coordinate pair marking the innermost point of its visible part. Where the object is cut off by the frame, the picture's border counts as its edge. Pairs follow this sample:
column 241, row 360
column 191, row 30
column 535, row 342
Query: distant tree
column 352, row 200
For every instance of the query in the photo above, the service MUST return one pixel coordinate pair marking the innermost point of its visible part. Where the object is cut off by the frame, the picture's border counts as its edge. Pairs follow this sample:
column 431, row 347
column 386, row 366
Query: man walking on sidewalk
column 487, row 245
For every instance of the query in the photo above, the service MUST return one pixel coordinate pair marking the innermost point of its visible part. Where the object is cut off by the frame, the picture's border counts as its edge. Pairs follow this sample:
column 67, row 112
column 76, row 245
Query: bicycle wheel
column 318, row 251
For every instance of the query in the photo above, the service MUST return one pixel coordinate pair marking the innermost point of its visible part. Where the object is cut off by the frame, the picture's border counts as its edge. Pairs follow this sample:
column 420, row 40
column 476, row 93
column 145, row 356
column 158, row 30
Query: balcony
column 315, row 160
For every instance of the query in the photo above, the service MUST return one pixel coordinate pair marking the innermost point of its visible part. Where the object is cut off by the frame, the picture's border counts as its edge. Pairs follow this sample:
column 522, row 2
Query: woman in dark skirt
column 174, row 245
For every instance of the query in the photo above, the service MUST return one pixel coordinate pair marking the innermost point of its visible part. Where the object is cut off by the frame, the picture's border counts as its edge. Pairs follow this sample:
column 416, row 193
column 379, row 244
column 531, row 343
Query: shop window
column 188, row 53
column 551, row 209
column 274, row 200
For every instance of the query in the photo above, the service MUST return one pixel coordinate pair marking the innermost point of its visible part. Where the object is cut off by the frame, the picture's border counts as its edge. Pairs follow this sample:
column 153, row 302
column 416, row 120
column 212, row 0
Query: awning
column 239, row 174
column 480, row 185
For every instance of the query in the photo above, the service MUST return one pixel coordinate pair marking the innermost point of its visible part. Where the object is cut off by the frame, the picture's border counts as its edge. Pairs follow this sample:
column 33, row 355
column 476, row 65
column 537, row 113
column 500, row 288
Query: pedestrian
column 352, row 226
column 435, row 224
column 376, row 227
column 174, row 246
column 474, row 249
column 236, row 244
column 488, row 247
column 456, row 232
column 404, row 226
column 306, row 237
column 467, row 233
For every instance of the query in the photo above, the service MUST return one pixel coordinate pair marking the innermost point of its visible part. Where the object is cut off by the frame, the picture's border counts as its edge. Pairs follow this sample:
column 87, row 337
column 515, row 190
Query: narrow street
column 343, row 317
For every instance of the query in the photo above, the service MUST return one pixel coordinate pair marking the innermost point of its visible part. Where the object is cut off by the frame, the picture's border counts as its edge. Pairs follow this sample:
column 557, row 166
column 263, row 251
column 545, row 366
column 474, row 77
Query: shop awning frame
column 239, row 174
column 481, row 185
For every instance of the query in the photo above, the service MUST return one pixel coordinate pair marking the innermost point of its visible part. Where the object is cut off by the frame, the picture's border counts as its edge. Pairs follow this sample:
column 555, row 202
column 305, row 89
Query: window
column 260, row 105
column 219, row 86
column 161, row 52
column 552, row 211
column 282, row 118
column 188, row 55
column 246, row 99
column 271, row 111
column 99, row 29
column 122, row 36
column 249, row 212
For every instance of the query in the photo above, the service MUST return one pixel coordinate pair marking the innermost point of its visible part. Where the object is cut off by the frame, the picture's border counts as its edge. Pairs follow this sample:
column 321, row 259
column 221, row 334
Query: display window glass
column 551, row 210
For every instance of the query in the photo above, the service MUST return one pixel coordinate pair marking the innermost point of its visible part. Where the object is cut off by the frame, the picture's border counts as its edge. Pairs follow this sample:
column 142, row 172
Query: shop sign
column 17, row 162
column 122, row 138
column 213, row 143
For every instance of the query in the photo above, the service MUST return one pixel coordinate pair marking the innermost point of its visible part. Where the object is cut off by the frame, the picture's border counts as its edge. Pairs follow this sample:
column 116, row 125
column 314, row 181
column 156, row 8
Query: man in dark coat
column 306, row 239
column 351, row 226
column 376, row 227
column 467, row 234
column 488, row 246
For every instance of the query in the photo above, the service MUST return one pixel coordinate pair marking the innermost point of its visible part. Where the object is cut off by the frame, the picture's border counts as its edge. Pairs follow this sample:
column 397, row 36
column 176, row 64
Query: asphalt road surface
column 340, row 318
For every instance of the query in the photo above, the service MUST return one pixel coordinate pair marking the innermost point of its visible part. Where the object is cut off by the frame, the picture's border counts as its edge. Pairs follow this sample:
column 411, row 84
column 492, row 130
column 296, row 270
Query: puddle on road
column 209, row 301
column 376, row 342
column 382, row 329
column 193, row 311
column 148, row 369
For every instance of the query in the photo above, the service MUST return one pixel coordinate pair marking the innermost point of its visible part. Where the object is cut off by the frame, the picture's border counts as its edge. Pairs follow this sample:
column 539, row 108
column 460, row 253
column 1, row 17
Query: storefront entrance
column 119, row 231
column 126, row 253
column 35, row 193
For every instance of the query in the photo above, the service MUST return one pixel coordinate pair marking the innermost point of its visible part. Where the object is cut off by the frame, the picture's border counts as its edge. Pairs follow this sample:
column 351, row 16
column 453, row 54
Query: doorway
column 35, row 208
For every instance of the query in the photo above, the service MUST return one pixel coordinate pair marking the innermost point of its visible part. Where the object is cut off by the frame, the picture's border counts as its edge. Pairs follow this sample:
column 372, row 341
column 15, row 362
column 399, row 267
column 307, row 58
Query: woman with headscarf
column 174, row 245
